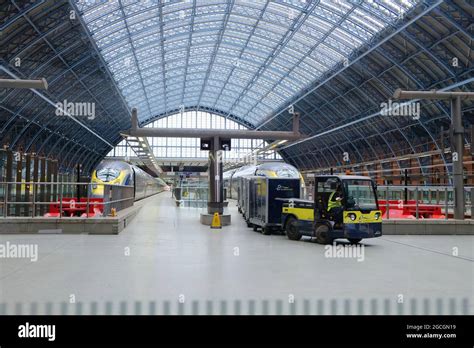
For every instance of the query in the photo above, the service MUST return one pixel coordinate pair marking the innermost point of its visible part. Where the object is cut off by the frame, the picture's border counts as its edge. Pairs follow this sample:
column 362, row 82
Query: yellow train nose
column 98, row 190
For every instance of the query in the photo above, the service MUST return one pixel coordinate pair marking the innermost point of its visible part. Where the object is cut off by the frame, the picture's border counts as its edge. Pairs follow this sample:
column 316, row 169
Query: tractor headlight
column 377, row 216
column 352, row 217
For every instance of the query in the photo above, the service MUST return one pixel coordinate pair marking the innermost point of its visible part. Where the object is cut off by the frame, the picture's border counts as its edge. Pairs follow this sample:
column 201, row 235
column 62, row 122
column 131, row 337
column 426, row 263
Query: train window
column 287, row 173
column 108, row 174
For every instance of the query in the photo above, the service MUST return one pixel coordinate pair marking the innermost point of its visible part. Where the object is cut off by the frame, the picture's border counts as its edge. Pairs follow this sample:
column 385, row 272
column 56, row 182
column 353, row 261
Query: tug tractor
column 345, row 206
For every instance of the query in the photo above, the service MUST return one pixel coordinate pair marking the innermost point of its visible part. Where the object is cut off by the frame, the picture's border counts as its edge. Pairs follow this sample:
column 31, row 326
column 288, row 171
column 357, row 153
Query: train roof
column 271, row 165
column 245, row 170
column 109, row 163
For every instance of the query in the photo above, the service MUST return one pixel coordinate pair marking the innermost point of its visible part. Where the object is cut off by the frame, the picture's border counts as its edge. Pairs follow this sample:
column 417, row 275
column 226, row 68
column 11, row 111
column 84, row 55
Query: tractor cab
column 344, row 206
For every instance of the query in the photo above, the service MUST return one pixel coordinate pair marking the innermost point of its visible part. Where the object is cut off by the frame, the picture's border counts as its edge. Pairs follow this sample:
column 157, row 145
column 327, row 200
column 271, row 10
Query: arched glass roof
column 247, row 60
column 244, row 58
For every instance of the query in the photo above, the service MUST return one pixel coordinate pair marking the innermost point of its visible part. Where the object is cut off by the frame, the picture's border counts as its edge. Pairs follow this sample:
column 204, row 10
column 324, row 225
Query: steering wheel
column 350, row 202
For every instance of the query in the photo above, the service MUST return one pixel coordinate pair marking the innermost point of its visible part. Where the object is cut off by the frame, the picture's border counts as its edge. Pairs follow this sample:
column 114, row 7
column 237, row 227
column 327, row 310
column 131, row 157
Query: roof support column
column 457, row 138
column 216, row 188
column 458, row 169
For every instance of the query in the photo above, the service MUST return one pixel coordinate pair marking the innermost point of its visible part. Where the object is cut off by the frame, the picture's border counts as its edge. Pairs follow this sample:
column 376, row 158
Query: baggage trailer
column 240, row 195
column 264, row 208
column 244, row 201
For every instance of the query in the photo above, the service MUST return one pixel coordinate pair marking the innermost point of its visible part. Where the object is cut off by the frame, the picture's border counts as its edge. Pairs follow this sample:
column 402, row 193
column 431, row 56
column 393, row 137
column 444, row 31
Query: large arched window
column 189, row 147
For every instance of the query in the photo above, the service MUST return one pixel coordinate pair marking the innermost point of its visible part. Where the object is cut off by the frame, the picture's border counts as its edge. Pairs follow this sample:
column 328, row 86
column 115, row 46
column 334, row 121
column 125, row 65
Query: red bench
column 70, row 207
column 400, row 209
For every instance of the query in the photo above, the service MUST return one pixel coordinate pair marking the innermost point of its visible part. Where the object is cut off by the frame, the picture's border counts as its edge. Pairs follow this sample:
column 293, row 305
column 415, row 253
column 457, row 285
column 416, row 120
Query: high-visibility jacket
column 333, row 203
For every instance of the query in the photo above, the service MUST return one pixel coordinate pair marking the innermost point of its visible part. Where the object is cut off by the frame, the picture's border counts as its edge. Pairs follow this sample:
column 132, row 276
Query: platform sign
column 225, row 144
column 206, row 144
column 187, row 174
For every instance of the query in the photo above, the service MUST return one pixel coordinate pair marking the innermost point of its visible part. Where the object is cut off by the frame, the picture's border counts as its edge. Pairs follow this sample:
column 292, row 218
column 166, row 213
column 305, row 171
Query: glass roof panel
column 245, row 58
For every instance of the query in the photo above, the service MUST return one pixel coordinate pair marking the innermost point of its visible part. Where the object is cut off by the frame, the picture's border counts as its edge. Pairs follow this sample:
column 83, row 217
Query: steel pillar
column 27, row 180
column 215, row 202
column 458, row 169
column 42, row 179
column 457, row 138
column 18, row 177
column 9, row 178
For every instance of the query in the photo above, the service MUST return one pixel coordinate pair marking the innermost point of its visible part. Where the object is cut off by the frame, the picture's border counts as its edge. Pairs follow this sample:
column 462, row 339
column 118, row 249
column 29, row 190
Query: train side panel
column 122, row 173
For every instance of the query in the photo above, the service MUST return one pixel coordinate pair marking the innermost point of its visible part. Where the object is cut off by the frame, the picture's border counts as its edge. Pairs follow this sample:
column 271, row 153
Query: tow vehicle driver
column 335, row 207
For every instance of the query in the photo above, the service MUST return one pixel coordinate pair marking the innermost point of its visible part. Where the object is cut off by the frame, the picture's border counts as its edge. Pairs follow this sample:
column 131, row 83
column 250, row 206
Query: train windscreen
column 360, row 194
column 108, row 174
column 287, row 172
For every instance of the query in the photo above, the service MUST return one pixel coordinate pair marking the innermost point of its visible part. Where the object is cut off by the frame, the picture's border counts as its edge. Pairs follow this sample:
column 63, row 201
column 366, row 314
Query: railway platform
column 164, row 253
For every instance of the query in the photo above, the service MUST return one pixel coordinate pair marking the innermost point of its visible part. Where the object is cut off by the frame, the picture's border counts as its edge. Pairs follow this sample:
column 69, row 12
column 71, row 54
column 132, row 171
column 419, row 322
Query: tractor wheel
column 322, row 234
column 292, row 230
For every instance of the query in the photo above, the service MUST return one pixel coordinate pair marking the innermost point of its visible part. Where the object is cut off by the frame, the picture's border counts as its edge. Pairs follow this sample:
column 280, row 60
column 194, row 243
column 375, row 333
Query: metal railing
column 62, row 199
column 423, row 200
column 191, row 196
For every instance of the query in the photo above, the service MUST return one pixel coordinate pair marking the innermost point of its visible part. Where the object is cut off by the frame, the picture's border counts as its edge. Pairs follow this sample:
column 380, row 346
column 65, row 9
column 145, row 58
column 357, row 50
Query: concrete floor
column 171, row 254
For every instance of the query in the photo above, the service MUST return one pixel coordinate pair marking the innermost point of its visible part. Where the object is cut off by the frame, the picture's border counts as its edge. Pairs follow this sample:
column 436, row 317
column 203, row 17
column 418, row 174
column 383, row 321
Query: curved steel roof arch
column 301, row 35
column 39, row 39
column 336, row 61
column 423, row 64
column 234, row 118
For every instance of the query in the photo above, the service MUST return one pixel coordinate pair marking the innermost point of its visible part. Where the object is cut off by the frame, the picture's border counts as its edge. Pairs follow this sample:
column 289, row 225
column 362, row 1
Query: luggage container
column 245, row 192
column 264, row 208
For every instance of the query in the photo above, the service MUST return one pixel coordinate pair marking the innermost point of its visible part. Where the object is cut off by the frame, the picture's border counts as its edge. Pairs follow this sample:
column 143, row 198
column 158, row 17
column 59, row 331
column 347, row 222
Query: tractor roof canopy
column 345, row 177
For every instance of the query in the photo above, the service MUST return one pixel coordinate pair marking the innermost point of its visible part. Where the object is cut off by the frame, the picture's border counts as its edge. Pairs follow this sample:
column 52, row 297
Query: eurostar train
column 122, row 173
column 270, row 169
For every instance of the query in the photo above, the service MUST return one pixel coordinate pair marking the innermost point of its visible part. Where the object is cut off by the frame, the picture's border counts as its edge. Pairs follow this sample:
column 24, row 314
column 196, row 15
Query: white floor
column 172, row 255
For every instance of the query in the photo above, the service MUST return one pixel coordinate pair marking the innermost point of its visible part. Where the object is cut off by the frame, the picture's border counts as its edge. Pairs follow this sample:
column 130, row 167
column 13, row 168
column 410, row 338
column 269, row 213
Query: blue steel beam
column 188, row 51
column 230, row 4
column 242, row 50
column 14, row 18
column 359, row 57
column 99, row 55
column 297, row 23
column 130, row 42
column 315, row 46
column 69, row 69
column 349, row 124
column 412, row 38
column 420, row 85
column 354, row 28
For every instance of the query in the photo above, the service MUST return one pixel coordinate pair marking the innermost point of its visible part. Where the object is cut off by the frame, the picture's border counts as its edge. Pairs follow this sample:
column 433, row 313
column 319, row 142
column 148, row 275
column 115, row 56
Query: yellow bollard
column 216, row 221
